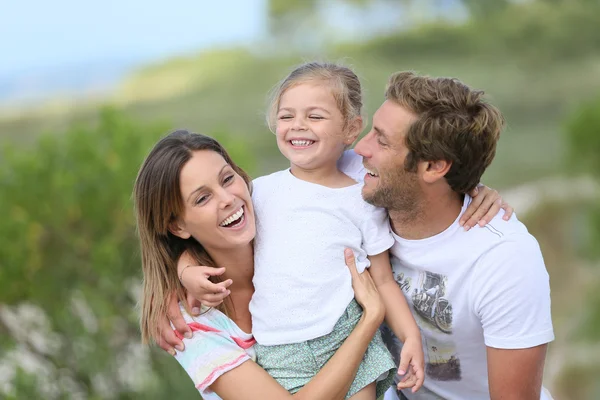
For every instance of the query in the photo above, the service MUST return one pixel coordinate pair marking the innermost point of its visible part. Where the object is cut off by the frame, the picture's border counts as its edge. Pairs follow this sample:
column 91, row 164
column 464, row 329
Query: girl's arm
column 249, row 381
column 400, row 319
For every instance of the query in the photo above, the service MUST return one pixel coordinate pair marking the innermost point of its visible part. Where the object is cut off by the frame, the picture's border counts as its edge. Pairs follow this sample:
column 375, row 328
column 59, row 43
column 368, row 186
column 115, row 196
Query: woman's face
column 218, row 210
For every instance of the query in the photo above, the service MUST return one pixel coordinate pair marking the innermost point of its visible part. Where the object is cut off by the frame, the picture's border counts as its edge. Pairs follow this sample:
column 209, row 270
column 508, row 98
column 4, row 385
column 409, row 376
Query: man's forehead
column 392, row 119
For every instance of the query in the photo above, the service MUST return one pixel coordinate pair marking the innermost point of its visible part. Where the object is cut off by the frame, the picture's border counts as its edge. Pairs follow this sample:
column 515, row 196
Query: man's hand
column 485, row 205
column 412, row 364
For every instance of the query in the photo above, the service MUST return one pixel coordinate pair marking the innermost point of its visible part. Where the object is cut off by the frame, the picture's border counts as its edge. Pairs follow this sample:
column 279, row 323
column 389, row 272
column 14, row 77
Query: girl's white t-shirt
column 302, row 284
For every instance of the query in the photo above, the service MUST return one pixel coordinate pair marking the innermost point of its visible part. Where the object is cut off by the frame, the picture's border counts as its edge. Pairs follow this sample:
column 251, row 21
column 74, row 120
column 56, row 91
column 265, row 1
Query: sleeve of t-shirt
column 511, row 295
column 208, row 355
column 351, row 164
column 375, row 227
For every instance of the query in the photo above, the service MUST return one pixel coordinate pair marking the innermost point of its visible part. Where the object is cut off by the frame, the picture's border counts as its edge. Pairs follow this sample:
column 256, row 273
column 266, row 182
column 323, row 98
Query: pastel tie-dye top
column 218, row 346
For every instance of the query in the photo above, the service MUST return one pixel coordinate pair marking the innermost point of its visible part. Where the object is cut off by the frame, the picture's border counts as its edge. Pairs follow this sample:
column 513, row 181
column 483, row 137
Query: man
column 481, row 297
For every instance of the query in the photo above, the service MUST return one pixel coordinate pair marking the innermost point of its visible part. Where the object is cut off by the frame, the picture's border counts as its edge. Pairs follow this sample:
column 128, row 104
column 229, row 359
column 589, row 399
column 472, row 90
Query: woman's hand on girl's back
column 365, row 291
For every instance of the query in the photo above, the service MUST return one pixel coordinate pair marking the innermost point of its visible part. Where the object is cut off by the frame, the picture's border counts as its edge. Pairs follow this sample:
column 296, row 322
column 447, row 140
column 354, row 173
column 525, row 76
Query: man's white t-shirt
column 302, row 284
column 469, row 290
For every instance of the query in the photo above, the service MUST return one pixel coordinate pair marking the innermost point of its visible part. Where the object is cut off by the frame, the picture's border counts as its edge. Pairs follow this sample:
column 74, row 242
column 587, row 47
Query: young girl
column 303, row 307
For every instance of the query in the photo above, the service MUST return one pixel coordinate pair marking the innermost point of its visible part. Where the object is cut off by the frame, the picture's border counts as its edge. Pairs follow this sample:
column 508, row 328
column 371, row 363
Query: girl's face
column 310, row 127
column 218, row 210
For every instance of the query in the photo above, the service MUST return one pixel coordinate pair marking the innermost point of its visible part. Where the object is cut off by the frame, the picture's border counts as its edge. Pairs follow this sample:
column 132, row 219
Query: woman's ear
column 176, row 229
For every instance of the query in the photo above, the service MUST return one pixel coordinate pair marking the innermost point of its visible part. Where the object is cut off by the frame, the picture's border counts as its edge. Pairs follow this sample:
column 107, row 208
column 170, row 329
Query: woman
column 186, row 188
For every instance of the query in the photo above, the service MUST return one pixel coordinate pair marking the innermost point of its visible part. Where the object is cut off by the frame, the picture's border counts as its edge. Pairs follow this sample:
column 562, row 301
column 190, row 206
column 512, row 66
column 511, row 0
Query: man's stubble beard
column 398, row 193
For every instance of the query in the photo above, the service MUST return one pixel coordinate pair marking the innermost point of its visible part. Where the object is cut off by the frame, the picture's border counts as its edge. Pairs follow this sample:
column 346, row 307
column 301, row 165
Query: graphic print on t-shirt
column 429, row 301
column 442, row 364
column 433, row 313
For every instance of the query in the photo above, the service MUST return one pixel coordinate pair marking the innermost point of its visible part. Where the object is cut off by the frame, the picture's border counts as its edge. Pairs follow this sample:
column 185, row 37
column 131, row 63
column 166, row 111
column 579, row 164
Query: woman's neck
column 238, row 264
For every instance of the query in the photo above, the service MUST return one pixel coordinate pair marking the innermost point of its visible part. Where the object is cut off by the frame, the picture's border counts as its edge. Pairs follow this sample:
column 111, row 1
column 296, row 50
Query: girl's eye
column 315, row 117
column 285, row 117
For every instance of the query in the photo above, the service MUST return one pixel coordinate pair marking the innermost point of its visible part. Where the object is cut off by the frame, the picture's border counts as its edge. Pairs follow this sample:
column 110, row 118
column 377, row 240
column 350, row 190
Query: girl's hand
column 365, row 291
column 485, row 205
column 412, row 364
column 196, row 281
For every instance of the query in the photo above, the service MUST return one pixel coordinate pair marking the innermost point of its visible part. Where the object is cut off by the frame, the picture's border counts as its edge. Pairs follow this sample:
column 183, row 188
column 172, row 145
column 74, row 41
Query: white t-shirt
column 302, row 285
column 469, row 290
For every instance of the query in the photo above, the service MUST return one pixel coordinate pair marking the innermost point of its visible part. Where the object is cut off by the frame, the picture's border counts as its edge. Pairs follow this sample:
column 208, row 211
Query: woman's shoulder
column 212, row 320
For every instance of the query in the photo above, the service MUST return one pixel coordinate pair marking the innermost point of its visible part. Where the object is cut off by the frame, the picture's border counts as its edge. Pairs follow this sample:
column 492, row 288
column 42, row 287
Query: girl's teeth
column 302, row 142
column 233, row 217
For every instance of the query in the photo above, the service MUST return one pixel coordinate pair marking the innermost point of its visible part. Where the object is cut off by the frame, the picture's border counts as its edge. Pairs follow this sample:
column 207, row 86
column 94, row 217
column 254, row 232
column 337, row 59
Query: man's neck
column 435, row 214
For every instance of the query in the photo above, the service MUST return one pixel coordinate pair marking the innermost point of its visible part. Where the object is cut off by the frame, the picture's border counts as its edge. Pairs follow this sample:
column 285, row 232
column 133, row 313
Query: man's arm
column 516, row 374
column 510, row 293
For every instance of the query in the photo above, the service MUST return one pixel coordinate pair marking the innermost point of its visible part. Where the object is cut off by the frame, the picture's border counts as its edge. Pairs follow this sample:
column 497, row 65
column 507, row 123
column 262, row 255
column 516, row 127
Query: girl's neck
column 327, row 175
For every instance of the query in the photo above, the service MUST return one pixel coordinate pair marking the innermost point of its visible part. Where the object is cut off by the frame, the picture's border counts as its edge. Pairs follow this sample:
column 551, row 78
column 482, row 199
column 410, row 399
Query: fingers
column 467, row 220
column 409, row 380
column 508, row 211
column 167, row 340
column 174, row 314
column 210, row 271
column 404, row 365
column 351, row 262
column 420, row 375
column 482, row 209
column 213, row 300
column 210, row 287
column 494, row 208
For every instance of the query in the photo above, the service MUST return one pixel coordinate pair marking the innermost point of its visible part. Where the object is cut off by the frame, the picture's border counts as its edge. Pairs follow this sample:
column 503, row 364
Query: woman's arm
column 334, row 380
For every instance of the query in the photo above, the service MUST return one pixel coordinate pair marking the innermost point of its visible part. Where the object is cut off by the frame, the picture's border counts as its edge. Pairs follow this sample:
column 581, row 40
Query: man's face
column 387, row 183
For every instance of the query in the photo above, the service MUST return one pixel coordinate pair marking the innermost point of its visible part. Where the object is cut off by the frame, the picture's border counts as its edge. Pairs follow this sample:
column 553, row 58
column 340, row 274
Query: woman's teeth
column 234, row 217
column 302, row 143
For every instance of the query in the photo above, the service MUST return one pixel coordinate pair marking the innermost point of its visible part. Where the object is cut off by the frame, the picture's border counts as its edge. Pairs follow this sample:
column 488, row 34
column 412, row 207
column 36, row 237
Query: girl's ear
column 176, row 229
column 354, row 129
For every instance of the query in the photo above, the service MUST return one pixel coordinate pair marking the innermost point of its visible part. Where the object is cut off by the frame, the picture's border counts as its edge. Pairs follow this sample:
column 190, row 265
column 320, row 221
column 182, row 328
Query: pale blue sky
column 38, row 34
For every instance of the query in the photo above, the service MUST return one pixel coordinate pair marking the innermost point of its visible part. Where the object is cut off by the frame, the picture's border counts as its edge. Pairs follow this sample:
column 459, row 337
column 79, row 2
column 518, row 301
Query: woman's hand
column 365, row 291
column 485, row 205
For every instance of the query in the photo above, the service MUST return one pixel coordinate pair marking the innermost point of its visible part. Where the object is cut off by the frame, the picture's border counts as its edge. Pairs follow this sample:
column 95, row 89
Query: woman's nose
column 226, row 197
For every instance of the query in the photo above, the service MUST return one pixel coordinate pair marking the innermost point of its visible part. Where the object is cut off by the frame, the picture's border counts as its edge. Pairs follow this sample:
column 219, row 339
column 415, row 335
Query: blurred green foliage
column 583, row 139
column 72, row 251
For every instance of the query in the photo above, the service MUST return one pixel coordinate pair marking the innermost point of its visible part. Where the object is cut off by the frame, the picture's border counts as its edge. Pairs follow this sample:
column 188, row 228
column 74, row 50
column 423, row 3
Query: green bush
column 70, row 250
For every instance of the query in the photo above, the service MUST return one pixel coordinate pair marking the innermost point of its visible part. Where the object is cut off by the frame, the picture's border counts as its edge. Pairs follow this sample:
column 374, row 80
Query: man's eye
column 381, row 143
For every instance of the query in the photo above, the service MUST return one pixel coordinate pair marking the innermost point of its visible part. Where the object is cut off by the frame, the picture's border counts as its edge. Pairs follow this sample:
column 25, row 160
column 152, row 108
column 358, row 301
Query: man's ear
column 176, row 229
column 432, row 171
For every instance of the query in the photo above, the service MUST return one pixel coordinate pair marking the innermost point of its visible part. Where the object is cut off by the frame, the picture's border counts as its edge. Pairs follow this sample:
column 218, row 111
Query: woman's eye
column 201, row 199
column 228, row 179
